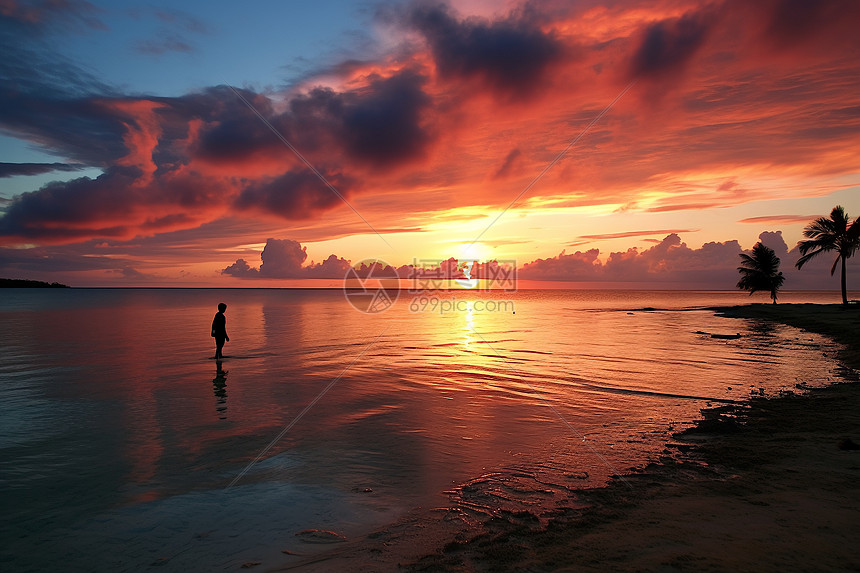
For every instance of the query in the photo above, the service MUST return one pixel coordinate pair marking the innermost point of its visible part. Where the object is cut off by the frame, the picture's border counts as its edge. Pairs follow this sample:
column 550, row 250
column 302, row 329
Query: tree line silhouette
column 26, row 283
column 760, row 270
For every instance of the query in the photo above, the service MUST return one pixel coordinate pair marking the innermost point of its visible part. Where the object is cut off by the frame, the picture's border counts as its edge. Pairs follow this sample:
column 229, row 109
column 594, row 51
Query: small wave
column 631, row 391
column 531, row 351
column 249, row 356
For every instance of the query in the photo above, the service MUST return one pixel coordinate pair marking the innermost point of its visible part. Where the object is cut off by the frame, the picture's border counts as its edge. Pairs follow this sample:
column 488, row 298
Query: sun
column 471, row 251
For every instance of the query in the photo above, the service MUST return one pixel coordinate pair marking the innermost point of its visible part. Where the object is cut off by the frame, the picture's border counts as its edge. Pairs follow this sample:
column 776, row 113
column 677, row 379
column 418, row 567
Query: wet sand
column 772, row 485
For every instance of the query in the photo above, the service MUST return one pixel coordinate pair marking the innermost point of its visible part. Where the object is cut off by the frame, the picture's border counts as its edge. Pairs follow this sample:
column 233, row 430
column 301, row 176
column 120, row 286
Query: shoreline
column 842, row 324
column 766, row 485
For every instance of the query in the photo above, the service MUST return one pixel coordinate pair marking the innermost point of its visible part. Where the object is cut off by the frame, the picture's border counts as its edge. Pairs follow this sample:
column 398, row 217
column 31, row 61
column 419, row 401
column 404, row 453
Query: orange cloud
column 142, row 134
column 635, row 234
column 779, row 219
column 735, row 102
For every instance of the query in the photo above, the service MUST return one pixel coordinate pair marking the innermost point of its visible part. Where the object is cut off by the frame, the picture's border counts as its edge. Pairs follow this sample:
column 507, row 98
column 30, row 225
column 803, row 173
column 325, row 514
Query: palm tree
column 838, row 234
column 760, row 271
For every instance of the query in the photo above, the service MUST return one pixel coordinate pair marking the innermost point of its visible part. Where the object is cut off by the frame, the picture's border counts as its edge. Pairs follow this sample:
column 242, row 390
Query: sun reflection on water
column 129, row 404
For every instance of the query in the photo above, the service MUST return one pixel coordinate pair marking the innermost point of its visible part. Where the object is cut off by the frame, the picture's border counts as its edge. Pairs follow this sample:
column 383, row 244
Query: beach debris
column 719, row 420
column 727, row 336
column 720, row 336
column 362, row 490
column 320, row 536
column 288, row 552
column 249, row 564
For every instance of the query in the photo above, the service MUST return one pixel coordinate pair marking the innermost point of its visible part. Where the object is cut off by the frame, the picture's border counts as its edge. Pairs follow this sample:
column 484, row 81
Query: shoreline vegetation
column 26, row 283
column 771, row 484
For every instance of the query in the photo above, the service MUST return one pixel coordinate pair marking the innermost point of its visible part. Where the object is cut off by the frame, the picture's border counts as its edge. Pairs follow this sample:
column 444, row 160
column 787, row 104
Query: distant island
column 24, row 283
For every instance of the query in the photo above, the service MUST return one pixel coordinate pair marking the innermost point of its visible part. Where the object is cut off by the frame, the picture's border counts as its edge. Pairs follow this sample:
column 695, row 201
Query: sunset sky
column 595, row 143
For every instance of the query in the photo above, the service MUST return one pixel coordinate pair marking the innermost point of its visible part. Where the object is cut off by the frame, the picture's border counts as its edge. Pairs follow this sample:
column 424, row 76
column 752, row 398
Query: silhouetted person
column 219, row 330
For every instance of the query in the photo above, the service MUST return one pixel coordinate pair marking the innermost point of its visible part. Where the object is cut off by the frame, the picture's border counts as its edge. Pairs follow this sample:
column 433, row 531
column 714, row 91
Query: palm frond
column 760, row 271
column 836, row 233
column 820, row 227
column 839, row 217
column 852, row 237
column 807, row 256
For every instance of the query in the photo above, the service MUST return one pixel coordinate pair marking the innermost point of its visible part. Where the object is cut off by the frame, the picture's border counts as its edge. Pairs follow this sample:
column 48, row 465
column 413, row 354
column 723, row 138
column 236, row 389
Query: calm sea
column 125, row 445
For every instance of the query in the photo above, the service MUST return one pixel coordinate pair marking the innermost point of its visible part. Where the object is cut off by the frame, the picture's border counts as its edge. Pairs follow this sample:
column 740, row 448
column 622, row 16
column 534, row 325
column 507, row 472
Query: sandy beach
column 766, row 486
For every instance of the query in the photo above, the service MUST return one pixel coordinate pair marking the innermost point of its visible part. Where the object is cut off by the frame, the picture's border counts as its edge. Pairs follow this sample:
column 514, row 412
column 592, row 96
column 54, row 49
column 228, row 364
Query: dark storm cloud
column 79, row 128
column 381, row 125
column 216, row 103
column 792, row 22
column 205, row 157
column 667, row 45
column 15, row 169
column 114, row 204
column 511, row 55
column 69, row 209
column 294, row 195
column 284, row 259
column 234, row 132
column 184, row 148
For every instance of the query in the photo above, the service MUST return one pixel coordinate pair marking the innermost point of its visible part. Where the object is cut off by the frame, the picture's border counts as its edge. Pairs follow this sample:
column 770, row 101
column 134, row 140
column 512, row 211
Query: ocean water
column 124, row 445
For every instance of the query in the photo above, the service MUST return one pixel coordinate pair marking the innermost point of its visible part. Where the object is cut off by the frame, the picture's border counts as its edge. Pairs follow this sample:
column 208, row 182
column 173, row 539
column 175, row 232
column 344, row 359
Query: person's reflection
column 219, row 387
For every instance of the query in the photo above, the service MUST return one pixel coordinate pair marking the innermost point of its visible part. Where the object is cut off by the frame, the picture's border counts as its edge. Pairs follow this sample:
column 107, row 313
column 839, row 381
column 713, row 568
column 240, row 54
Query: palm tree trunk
column 844, row 293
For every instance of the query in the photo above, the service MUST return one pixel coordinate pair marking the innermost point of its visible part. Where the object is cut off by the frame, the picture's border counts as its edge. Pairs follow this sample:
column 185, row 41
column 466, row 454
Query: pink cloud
column 669, row 261
column 465, row 114
column 713, row 265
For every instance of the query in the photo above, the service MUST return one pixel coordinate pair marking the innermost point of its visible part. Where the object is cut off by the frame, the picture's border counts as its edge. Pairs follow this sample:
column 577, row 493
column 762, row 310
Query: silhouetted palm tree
column 838, row 234
column 760, row 271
